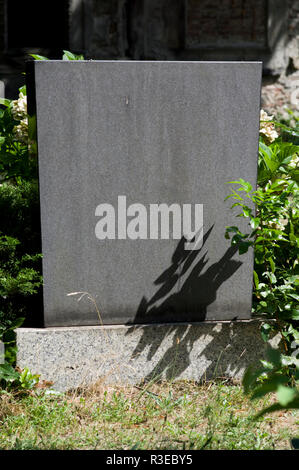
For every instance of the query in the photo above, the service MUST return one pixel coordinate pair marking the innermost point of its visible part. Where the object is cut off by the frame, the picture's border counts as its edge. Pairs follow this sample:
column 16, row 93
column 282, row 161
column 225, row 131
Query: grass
column 181, row 415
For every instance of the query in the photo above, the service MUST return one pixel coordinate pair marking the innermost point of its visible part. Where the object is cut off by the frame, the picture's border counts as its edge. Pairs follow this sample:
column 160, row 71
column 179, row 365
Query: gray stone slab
column 76, row 356
column 154, row 132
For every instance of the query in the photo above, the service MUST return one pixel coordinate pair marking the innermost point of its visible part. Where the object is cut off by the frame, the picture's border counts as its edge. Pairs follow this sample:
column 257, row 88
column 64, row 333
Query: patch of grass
column 181, row 415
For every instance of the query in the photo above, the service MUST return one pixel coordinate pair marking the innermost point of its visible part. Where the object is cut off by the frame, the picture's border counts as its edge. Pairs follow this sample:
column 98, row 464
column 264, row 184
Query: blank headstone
column 156, row 133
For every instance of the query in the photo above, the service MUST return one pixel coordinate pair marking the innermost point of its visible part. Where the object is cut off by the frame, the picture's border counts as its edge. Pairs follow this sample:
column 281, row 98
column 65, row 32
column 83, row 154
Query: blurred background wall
column 266, row 30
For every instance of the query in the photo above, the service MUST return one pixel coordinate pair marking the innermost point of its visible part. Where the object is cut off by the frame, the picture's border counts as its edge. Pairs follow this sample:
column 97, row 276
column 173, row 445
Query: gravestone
column 133, row 163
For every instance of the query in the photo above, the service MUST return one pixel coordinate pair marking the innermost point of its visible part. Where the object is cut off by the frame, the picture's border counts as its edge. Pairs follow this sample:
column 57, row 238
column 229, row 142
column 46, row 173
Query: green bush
column 20, row 238
column 20, row 264
column 15, row 379
column 20, row 214
column 17, row 145
column 273, row 232
column 20, row 261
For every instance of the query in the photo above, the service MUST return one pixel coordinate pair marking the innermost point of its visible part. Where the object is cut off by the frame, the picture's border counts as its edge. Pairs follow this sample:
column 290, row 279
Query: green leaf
column 265, row 331
column 290, row 314
column 256, row 279
column 278, row 183
column 38, row 57
column 272, row 264
column 269, row 386
column 272, row 278
column 249, row 378
column 272, row 159
column 5, row 102
column 246, row 186
column 8, row 373
column 70, row 56
column 294, row 296
column 290, row 361
column 23, row 90
column 285, row 395
column 243, row 247
column 277, row 407
column 232, row 229
column 247, row 211
column 274, row 356
column 9, row 336
column 255, row 222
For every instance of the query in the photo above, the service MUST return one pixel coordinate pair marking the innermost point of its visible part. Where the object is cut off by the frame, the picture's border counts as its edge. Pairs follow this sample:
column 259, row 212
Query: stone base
column 124, row 354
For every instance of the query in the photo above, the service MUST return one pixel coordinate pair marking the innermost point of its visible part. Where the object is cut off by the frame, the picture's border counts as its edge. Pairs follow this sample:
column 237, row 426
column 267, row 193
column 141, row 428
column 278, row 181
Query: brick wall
column 226, row 22
column 180, row 30
column 105, row 33
column 194, row 29
column 106, row 27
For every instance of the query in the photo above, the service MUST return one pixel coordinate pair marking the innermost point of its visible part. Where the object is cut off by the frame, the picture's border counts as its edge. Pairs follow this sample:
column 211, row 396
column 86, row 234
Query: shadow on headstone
column 194, row 294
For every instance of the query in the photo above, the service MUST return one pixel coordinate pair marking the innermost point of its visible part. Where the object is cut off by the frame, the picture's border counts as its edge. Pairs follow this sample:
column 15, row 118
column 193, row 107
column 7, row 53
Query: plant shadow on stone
column 194, row 294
